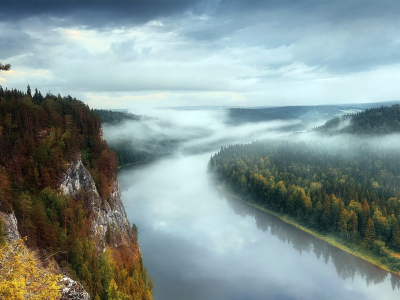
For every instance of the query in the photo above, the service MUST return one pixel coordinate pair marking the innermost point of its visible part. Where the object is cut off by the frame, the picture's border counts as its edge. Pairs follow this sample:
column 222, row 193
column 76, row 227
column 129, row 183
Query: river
column 199, row 244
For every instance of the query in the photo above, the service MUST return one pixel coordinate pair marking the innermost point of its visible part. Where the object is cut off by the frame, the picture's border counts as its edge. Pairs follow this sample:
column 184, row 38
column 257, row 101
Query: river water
column 199, row 244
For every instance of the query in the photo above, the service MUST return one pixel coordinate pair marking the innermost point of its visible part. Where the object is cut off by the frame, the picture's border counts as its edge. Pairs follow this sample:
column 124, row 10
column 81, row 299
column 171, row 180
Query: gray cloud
column 125, row 50
column 14, row 41
column 266, row 52
column 92, row 13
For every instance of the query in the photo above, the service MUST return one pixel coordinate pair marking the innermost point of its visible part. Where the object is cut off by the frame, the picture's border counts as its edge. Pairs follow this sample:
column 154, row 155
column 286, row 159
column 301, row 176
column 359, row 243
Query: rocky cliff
column 109, row 223
column 10, row 226
column 72, row 290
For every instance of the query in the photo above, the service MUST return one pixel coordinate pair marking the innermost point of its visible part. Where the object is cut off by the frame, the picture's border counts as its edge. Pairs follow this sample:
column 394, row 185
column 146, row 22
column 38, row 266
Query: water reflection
column 198, row 246
column 347, row 266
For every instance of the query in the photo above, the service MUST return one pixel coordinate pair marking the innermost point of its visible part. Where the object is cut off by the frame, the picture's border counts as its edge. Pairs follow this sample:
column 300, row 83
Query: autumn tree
column 22, row 275
column 396, row 236
column 5, row 67
column 369, row 234
column 39, row 137
column 2, row 233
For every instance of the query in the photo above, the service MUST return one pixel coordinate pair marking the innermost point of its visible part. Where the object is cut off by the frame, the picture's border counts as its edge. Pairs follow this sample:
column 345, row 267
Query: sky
column 145, row 53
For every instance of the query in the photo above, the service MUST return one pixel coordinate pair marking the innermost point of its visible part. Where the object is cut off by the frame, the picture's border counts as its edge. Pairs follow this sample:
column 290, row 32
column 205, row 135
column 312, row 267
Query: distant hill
column 244, row 115
column 114, row 117
column 380, row 120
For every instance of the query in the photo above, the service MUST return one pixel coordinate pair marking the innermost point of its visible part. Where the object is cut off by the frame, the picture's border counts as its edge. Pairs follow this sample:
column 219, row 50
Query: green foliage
column 135, row 230
column 122, row 282
column 349, row 190
column 2, row 233
column 39, row 136
column 380, row 248
column 116, row 117
column 381, row 120
column 370, row 235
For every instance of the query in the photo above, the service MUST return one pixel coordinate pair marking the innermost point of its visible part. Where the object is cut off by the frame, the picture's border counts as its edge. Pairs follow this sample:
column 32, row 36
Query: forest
column 373, row 121
column 39, row 136
column 342, row 186
column 133, row 148
column 116, row 117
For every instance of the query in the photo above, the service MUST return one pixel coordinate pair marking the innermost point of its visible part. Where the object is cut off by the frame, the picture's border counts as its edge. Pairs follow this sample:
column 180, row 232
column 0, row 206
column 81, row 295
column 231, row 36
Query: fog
column 194, row 131
column 171, row 132
column 199, row 243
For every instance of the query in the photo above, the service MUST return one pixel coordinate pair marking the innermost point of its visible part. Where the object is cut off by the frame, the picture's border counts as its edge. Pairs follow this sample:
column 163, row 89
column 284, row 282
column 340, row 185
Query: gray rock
column 104, row 215
column 77, row 177
column 72, row 290
column 10, row 226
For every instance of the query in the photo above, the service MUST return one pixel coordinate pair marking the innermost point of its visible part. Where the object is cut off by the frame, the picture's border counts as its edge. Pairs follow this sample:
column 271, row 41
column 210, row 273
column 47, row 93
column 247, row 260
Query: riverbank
column 334, row 240
column 142, row 162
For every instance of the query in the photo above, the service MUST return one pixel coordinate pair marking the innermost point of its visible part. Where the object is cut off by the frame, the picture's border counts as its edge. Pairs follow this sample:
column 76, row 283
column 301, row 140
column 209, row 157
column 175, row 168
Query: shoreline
column 330, row 239
column 142, row 162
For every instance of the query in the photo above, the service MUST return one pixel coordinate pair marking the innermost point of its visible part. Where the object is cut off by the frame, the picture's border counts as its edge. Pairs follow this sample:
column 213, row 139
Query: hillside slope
column 343, row 187
column 59, row 179
column 376, row 121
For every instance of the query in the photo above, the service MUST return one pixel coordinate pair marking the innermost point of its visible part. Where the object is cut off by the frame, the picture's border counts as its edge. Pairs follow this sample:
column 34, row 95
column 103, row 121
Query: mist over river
column 198, row 243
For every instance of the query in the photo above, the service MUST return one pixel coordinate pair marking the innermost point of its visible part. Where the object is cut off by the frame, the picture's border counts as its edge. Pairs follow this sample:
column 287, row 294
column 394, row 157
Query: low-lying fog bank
column 197, row 243
column 194, row 131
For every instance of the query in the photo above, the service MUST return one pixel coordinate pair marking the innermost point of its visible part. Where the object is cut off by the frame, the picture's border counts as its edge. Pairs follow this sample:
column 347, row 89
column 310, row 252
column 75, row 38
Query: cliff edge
column 109, row 223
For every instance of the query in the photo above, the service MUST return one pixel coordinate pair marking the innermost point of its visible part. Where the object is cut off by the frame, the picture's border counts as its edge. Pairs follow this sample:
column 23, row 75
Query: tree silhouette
column 5, row 67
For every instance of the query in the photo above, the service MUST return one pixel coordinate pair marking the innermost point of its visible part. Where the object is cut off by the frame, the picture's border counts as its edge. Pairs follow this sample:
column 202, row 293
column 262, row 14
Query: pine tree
column 28, row 91
column 396, row 236
column 2, row 233
column 353, row 224
column 369, row 234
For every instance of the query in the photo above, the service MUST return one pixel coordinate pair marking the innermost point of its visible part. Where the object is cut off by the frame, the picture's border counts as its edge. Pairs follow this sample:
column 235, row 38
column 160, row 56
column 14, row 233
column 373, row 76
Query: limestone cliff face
column 72, row 290
column 10, row 226
column 105, row 215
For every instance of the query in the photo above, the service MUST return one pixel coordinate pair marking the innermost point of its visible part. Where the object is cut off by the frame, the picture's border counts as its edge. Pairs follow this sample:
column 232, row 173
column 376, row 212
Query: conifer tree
column 2, row 233
column 369, row 234
column 396, row 236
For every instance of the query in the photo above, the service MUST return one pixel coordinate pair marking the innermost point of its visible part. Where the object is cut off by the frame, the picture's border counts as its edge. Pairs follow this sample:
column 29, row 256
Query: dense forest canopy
column 377, row 121
column 346, row 186
column 39, row 136
column 116, row 117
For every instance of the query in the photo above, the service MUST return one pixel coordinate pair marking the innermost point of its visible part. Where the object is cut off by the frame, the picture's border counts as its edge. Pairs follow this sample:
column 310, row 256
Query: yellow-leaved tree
column 23, row 276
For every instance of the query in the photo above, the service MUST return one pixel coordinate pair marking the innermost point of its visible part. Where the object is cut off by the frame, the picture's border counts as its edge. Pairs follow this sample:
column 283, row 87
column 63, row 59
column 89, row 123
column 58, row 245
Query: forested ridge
column 39, row 136
column 373, row 121
column 345, row 187
column 126, row 150
column 116, row 117
column 144, row 143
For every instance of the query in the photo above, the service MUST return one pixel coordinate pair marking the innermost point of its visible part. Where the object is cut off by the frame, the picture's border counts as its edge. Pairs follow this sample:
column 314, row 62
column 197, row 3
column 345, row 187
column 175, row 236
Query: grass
column 353, row 248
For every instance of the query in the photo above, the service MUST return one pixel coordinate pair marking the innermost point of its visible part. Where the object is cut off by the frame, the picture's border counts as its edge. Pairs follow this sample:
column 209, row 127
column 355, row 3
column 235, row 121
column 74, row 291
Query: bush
column 379, row 248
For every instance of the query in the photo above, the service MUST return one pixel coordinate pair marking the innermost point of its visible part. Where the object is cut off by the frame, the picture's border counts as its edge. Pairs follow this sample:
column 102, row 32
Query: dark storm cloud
column 93, row 13
column 245, row 51
column 14, row 41
column 338, row 36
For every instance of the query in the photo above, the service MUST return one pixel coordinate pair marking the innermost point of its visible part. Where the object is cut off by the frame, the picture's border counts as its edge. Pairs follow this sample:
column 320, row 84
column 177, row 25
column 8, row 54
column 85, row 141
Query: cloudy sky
column 138, row 53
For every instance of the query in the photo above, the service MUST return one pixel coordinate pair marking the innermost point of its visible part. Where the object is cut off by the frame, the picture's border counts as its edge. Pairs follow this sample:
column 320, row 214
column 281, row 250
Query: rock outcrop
column 10, row 226
column 108, row 215
column 72, row 290
column 77, row 178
